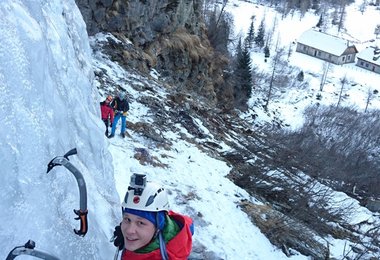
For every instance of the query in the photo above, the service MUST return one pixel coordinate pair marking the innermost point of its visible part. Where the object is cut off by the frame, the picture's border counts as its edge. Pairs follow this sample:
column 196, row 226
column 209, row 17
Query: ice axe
column 82, row 211
column 28, row 249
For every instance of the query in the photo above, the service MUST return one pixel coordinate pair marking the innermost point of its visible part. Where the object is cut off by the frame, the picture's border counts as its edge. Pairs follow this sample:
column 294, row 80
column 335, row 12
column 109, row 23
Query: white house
column 326, row 47
column 369, row 59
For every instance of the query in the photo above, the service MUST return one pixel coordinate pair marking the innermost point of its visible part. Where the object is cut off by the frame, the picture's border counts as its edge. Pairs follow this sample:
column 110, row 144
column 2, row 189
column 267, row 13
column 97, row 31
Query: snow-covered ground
column 198, row 188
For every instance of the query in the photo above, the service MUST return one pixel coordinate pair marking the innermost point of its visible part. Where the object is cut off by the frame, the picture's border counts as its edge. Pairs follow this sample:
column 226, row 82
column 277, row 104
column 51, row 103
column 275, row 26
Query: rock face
column 167, row 35
column 141, row 20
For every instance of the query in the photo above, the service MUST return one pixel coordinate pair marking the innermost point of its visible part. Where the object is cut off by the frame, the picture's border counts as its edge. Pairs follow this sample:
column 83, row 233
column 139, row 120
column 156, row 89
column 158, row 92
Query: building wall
column 368, row 66
column 350, row 54
column 347, row 57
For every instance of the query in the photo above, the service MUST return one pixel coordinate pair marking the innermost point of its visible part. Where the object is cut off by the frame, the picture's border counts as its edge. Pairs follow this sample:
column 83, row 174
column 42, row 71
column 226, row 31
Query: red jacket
column 178, row 248
column 107, row 111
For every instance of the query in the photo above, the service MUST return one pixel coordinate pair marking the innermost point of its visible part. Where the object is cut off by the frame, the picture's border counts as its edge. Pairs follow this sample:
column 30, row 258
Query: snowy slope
column 195, row 181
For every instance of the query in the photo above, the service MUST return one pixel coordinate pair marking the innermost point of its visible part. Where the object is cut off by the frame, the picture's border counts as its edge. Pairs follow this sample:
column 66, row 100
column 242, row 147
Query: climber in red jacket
column 149, row 230
column 107, row 112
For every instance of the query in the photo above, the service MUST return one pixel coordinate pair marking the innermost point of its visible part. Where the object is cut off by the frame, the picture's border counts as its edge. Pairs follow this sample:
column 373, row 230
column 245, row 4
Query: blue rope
column 164, row 253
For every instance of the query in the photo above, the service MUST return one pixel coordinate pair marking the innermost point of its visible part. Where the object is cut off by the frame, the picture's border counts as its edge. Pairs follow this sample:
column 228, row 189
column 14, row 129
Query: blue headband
column 149, row 215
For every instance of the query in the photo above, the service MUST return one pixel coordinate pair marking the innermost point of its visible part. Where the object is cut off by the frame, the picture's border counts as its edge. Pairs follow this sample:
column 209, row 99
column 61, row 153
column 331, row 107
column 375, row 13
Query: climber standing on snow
column 107, row 112
column 149, row 230
column 121, row 107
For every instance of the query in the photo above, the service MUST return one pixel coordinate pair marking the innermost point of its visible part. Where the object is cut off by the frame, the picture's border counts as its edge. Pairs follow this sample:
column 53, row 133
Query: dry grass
column 263, row 216
column 150, row 59
column 191, row 196
column 127, row 55
column 146, row 159
column 182, row 40
column 283, row 231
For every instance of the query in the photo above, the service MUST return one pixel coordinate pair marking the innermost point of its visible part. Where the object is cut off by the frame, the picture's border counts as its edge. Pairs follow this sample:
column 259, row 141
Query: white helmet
column 145, row 196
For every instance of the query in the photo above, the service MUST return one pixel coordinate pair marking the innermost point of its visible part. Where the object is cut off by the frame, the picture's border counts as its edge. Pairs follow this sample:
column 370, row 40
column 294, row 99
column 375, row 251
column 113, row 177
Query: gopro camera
column 138, row 183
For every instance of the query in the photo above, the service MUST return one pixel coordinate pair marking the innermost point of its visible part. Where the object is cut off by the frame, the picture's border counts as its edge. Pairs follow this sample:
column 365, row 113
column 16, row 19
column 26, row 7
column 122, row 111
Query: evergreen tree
column 239, row 51
column 259, row 39
column 251, row 34
column 277, row 66
column 243, row 76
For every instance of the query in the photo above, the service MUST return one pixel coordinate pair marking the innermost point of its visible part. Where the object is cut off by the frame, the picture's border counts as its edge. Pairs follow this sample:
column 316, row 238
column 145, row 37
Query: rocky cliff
column 168, row 36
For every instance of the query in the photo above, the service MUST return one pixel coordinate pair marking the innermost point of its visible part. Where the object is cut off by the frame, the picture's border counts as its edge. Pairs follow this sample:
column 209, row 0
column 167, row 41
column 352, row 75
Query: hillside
column 271, row 174
column 241, row 141
column 171, row 137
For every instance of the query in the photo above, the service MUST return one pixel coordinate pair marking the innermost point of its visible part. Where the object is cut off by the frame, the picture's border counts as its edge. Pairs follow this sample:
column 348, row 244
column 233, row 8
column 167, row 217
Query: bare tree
column 221, row 11
column 290, row 51
column 326, row 68
column 342, row 14
column 343, row 82
column 304, row 6
column 324, row 14
column 377, row 31
column 334, row 16
column 363, row 6
column 275, row 62
column 269, row 35
column 370, row 96
column 219, row 26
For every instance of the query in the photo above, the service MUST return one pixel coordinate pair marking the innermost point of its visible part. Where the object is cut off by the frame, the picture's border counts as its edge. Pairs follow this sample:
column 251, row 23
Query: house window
column 343, row 58
column 366, row 65
column 349, row 57
column 319, row 53
column 361, row 63
column 305, row 48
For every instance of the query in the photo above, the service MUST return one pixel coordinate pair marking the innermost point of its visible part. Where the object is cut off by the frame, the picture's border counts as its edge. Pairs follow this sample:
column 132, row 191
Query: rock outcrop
column 168, row 36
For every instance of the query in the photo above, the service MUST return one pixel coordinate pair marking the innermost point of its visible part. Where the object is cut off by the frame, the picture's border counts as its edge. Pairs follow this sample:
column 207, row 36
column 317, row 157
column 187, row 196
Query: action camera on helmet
column 138, row 183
